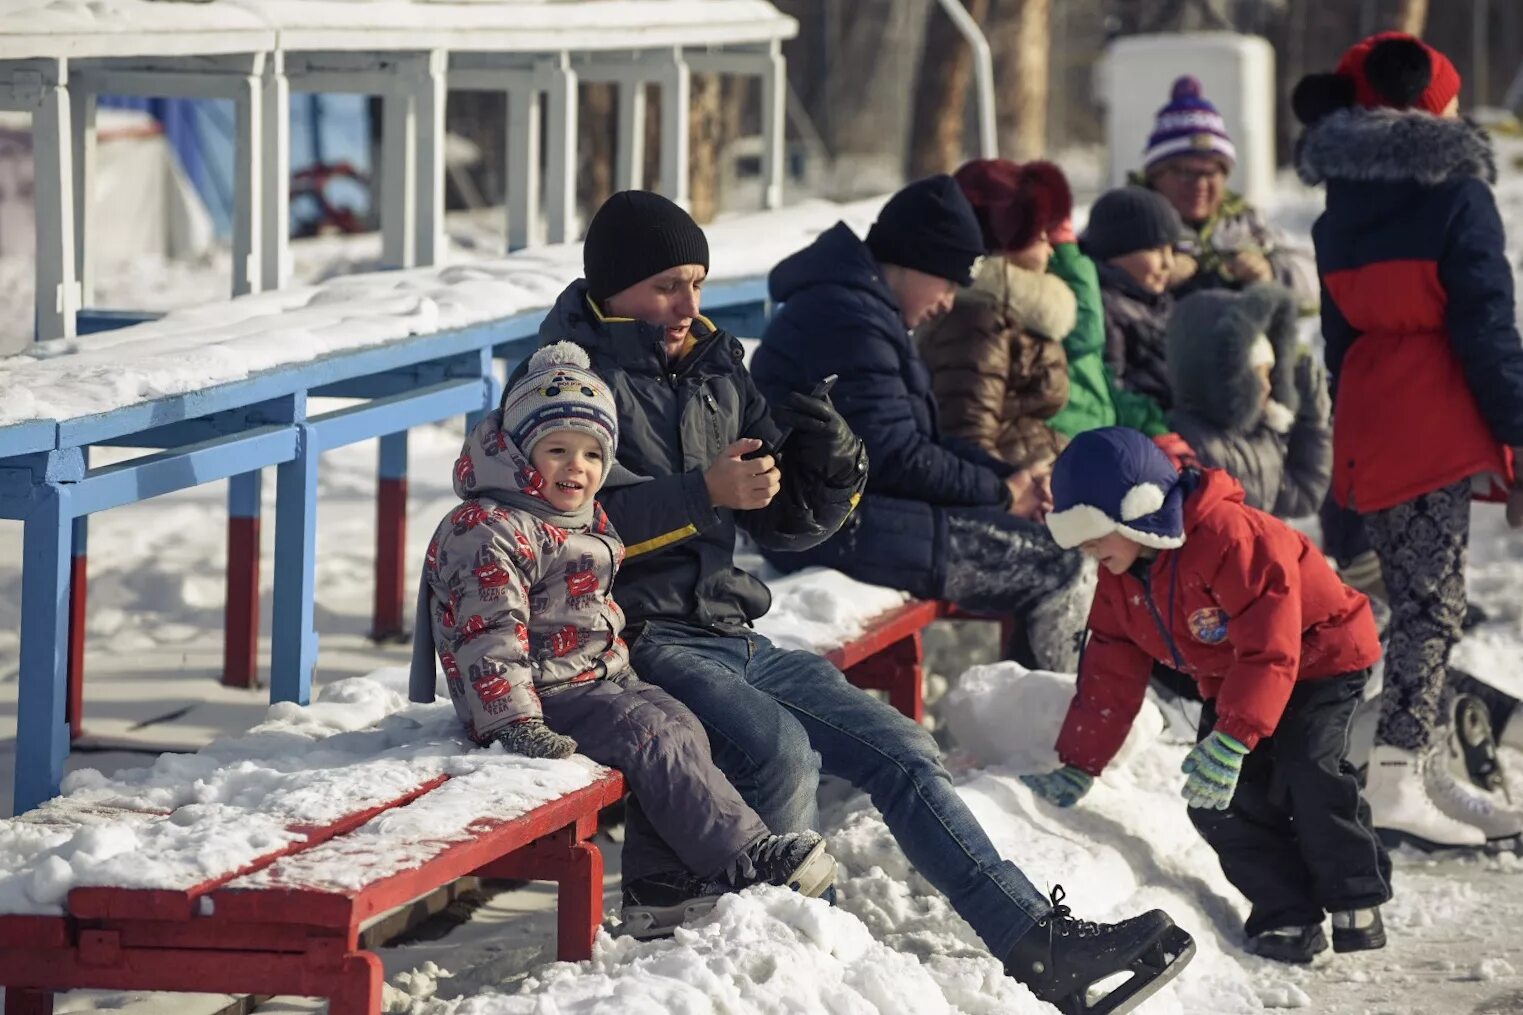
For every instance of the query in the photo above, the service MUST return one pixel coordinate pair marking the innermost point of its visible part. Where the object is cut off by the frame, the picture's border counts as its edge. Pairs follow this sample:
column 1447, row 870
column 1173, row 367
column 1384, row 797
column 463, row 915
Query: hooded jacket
column 674, row 420
column 839, row 317
column 1135, row 347
column 998, row 371
column 1247, row 607
column 1094, row 399
column 1417, row 308
column 1284, row 465
column 519, row 607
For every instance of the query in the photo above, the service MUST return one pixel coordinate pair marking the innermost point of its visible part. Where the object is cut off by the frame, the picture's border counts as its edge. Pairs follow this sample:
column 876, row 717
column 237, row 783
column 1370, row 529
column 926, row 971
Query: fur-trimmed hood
column 1211, row 335
column 1042, row 303
column 1393, row 146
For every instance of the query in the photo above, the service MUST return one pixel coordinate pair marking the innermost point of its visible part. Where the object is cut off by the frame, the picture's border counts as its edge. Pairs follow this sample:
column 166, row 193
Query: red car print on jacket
column 492, row 580
column 581, row 581
column 465, row 472
column 565, row 641
column 467, row 516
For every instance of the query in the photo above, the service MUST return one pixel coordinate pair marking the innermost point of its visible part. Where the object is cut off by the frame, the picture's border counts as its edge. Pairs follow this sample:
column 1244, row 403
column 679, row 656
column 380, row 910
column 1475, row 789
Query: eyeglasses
column 1188, row 175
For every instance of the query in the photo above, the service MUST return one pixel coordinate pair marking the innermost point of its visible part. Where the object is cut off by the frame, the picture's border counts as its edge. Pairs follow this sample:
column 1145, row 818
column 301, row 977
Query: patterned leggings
column 1422, row 546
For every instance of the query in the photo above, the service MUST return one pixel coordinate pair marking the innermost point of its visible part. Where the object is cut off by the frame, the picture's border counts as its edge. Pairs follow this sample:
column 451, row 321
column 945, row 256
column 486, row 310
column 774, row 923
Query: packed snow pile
column 189, row 817
column 817, row 609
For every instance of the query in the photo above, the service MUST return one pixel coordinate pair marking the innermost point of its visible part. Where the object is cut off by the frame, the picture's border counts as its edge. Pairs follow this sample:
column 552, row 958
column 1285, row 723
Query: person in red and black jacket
column 1426, row 367
column 1280, row 649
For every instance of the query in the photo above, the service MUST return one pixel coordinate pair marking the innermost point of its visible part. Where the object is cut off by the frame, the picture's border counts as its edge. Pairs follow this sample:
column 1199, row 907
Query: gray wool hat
column 1129, row 219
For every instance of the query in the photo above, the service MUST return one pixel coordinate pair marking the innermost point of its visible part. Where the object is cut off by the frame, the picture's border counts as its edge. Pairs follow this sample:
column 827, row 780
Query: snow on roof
column 227, row 341
column 119, row 28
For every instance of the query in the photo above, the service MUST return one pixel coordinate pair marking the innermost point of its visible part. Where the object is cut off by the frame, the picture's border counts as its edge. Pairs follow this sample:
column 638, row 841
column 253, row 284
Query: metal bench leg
column 240, row 645
column 359, row 991
column 579, row 910
column 390, row 539
column 42, row 731
column 26, row 1001
column 293, row 652
column 78, row 572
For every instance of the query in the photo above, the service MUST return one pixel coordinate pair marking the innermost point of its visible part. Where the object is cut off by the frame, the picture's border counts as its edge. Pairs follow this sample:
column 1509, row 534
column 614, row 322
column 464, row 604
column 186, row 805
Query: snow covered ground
column 892, row 945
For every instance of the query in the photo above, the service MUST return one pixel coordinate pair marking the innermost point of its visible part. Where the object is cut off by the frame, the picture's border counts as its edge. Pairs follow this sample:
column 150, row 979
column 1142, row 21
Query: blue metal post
column 293, row 651
column 42, row 730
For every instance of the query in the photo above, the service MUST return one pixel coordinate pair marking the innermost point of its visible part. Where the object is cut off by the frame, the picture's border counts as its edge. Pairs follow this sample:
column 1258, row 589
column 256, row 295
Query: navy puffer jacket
column 838, row 316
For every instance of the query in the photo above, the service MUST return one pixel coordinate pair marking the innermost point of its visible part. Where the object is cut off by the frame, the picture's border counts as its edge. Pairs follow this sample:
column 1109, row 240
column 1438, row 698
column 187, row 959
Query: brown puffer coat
column 997, row 364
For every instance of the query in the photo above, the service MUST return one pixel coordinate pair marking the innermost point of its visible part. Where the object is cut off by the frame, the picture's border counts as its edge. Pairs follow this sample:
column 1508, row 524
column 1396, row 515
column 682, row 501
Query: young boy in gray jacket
column 516, row 588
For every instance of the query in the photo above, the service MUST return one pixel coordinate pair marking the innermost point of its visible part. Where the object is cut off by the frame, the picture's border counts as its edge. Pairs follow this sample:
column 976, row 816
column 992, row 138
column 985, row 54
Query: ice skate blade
column 1151, row 972
column 643, row 923
column 816, row 875
column 1392, row 838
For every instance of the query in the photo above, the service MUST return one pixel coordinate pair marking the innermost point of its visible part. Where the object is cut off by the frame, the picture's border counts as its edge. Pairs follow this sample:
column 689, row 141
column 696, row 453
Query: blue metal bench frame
column 231, row 431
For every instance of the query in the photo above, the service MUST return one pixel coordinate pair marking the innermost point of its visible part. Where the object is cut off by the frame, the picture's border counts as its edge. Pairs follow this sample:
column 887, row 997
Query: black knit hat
column 929, row 226
column 1129, row 219
column 637, row 234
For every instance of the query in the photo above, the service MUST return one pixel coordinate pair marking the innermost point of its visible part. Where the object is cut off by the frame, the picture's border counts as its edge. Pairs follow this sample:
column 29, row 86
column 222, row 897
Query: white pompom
column 1142, row 499
column 560, row 353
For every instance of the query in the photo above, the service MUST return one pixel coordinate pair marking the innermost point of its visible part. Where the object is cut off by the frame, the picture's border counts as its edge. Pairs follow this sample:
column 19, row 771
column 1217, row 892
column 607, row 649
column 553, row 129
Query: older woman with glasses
column 1226, row 243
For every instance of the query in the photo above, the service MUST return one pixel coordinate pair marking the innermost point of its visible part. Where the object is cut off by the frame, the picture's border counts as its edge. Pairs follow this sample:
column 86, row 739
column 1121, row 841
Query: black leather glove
column 533, row 739
column 819, row 441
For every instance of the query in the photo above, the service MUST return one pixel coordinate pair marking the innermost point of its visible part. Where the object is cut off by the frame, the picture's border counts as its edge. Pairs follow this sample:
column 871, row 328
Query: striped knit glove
column 1213, row 767
column 1062, row 787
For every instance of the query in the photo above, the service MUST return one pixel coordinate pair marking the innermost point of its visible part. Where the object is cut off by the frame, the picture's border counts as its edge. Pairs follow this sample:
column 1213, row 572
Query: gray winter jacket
column 519, row 607
column 1282, row 457
column 674, row 420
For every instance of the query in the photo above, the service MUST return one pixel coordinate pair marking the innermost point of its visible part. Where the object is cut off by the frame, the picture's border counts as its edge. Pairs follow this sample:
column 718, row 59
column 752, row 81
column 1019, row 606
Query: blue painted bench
column 232, row 431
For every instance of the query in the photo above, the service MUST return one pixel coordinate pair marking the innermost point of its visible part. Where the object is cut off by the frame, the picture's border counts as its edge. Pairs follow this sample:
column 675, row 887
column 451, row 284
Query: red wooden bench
column 889, row 655
column 289, row 922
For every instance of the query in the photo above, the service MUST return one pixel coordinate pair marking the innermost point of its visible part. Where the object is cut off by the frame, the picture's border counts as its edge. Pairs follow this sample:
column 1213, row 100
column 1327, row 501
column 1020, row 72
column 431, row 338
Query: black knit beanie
column 929, row 226
column 637, row 234
column 1129, row 219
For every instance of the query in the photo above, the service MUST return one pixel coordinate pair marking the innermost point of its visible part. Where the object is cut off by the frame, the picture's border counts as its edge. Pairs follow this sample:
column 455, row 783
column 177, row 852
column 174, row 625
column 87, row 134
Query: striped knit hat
column 1188, row 125
column 560, row 392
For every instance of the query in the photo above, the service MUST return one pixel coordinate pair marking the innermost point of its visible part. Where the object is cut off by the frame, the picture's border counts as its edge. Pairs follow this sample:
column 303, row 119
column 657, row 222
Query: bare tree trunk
column 941, row 97
column 1020, row 33
column 595, row 135
column 704, row 140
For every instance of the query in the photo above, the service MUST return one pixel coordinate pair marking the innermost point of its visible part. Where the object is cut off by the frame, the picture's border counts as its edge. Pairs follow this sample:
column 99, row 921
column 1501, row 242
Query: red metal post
column 23, row 1001
column 580, row 904
column 78, row 572
column 390, row 552
column 359, row 992
column 240, row 646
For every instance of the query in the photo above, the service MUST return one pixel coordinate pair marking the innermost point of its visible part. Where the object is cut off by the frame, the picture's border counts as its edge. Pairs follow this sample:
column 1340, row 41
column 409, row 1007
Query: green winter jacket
column 1093, row 398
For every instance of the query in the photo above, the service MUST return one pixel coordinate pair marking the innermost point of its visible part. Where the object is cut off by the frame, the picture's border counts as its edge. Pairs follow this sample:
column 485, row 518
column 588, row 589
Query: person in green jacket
column 1094, row 400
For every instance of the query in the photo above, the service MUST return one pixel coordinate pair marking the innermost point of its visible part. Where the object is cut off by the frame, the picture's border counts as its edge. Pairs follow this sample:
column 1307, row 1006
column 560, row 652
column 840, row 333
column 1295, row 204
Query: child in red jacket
column 1281, row 649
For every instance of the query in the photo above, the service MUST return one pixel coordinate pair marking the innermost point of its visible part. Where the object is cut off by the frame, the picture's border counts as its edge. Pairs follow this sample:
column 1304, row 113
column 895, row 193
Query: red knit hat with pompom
column 1015, row 203
column 1400, row 71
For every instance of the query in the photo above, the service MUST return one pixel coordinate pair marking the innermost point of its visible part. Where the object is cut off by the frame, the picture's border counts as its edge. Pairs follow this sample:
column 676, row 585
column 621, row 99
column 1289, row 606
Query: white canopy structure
column 57, row 56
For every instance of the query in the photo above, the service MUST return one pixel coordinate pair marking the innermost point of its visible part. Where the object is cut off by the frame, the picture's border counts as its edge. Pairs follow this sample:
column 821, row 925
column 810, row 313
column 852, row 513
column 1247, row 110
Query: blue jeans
column 776, row 719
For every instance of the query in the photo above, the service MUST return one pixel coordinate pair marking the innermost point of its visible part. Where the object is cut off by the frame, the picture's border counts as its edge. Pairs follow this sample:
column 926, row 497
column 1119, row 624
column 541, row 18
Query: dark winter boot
column 1358, row 930
column 657, row 905
column 1289, row 944
column 1475, row 743
column 795, row 860
column 1062, row 958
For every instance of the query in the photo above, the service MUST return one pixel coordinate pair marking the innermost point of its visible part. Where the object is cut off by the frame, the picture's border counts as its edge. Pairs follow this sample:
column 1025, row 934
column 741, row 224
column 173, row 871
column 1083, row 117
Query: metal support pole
column 390, row 540
column 774, row 105
column 293, row 653
column 399, row 220
column 42, row 730
column 248, row 194
column 52, row 193
column 275, row 100
column 983, row 75
column 560, row 83
column 676, row 92
column 523, row 167
column 431, row 92
column 240, row 639
column 629, row 171
column 82, row 124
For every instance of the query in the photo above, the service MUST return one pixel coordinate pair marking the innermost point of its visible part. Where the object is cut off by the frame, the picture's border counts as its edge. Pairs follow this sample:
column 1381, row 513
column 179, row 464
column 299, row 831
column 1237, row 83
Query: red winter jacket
column 1247, row 607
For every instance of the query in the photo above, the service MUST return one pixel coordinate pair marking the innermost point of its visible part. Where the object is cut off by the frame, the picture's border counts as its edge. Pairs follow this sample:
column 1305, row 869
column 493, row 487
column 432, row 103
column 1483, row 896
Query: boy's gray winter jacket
column 519, row 607
column 674, row 420
column 1284, row 466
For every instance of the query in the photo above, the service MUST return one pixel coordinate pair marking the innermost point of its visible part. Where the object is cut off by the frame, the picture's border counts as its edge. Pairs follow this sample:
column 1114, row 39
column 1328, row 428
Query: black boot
column 1358, row 930
column 795, row 860
column 657, row 905
column 1062, row 957
column 1289, row 944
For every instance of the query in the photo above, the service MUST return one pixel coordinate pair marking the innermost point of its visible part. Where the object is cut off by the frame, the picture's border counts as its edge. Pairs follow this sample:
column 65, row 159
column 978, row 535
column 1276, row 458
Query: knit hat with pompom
column 1188, row 125
column 559, row 391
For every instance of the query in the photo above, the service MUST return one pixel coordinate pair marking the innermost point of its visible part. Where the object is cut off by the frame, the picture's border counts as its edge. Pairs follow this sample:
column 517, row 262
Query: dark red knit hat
column 1400, row 71
column 1015, row 203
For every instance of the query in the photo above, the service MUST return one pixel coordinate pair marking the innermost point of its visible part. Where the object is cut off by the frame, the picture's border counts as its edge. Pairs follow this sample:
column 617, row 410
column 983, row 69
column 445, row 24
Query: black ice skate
column 795, row 860
column 1066, row 961
column 1289, row 944
column 657, row 905
column 1476, row 743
